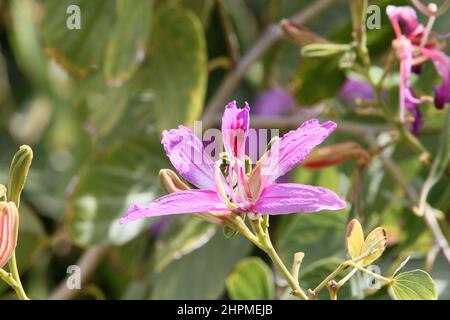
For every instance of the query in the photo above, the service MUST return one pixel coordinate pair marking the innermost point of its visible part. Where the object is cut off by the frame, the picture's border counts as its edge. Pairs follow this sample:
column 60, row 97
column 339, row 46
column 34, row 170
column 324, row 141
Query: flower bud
column 299, row 34
column 18, row 173
column 9, row 228
column 316, row 50
column 170, row 181
column 335, row 154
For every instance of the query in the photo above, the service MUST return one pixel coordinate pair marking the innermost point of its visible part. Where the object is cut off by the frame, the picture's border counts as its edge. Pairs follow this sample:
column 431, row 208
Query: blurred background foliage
column 92, row 104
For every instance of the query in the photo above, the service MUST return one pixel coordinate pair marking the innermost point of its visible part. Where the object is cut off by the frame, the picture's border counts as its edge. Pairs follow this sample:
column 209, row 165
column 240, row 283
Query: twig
column 87, row 263
column 272, row 34
column 413, row 196
column 230, row 35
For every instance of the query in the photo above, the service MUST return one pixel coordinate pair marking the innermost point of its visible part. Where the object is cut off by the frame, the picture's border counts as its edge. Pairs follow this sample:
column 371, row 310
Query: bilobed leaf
column 413, row 285
column 128, row 39
column 374, row 245
column 354, row 238
column 108, row 184
column 78, row 50
column 251, row 279
column 177, row 72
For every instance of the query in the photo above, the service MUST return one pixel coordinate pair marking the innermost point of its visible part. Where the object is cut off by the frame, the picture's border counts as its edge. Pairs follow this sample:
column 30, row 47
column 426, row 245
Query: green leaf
column 319, row 235
column 413, row 285
column 312, row 74
column 177, row 71
column 128, row 39
column 183, row 235
column 78, row 50
column 251, row 279
column 109, row 183
column 201, row 274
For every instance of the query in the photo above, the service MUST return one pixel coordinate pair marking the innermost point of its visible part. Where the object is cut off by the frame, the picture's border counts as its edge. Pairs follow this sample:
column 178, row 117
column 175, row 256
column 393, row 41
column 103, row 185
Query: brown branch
column 88, row 262
column 273, row 34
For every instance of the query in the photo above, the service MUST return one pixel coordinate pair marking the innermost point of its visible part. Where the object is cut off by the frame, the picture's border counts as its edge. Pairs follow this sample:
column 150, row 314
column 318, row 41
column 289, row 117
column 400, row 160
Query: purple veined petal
column 418, row 121
column 235, row 124
column 413, row 109
column 291, row 149
column 187, row 155
column 186, row 201
column 405, row 15
column 285, row 198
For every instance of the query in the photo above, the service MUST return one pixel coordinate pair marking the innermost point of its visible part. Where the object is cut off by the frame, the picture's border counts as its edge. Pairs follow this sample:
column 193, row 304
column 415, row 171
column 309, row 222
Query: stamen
column 220, row 187
column 230, row 181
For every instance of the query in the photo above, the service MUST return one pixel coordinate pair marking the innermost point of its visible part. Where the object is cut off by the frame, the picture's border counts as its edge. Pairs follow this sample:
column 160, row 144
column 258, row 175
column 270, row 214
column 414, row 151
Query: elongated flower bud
column 170, row 181
column 300, row 35
column 335, row 154
column 9, row 228
column 18, row 173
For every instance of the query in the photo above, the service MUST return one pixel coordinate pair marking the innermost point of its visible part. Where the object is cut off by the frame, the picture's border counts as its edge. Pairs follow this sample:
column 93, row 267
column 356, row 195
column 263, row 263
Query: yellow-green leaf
column 354, row 238
column 374, row 245
column 413, row 285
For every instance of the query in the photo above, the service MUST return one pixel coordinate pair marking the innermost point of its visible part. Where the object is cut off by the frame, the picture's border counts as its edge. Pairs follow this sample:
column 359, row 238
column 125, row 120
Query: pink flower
column 238, row 190
column 414, row 46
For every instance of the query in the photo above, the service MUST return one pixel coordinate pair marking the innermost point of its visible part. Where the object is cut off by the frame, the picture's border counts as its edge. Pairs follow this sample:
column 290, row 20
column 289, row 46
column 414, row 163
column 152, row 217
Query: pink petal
column 405, row 15
column 235, row 124
column 186, row 201
column 442, row 64
column 290, row 150
column 186, row 152
column 284, row 198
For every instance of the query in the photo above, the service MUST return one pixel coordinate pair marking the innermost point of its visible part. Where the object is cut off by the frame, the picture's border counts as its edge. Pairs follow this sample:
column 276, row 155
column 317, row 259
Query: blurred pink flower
column 414, row 46
column 241, row 191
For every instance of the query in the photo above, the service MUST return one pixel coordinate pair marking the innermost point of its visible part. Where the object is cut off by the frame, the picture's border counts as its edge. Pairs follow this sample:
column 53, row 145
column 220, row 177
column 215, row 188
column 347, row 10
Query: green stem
column 405, row 134
column 18, row 288
column 373, row 274
column 268, row 248
column 7, row 277
column 324, row 283
column 261, row 239
column 238, row 223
